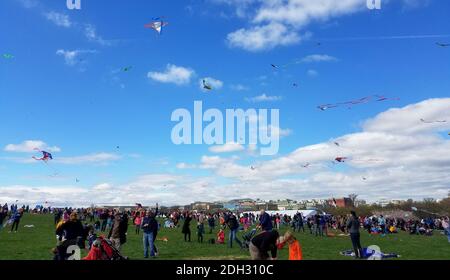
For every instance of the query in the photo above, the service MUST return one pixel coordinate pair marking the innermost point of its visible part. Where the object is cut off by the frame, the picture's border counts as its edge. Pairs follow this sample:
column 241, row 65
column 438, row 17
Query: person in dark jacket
column 187, row 227
column 233, row 224
column 71, row 230
column 353, row 228
column 261, row 244
column 211, row 223
column 265, row 222
column 150, row 228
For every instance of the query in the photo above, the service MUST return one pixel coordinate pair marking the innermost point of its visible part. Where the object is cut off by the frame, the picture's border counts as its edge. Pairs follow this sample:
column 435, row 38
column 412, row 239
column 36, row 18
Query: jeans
column 233, row 236
column 148, row 242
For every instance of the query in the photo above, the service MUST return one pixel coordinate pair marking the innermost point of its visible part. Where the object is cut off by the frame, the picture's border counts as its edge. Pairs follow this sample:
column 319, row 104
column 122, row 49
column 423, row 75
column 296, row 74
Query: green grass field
column 36, row 244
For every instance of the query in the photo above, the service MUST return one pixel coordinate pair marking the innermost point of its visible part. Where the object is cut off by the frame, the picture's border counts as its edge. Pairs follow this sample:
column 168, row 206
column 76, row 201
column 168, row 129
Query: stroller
column 247, row 237
column 102, row 249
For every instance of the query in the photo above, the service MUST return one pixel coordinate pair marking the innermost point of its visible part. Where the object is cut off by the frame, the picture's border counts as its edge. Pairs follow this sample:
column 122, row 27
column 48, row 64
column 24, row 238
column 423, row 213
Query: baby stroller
column 247, row 237
column 102, row 249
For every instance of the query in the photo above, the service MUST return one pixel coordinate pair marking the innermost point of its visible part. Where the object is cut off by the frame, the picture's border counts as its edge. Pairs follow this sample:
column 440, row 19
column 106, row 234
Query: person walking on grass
column 353, row 228
column 265, row 221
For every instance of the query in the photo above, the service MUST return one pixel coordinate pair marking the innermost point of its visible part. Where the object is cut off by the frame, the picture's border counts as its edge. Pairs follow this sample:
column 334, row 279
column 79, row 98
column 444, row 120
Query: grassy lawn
column 36, row 244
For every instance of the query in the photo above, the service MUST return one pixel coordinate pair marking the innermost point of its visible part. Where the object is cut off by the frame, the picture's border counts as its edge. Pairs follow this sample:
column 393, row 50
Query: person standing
column 233, row 224
column 353, row 228
column 186, row 230
column 16, row 219
column 149, row 227
column 114, row 234
column 265, row 221
column 211, row 223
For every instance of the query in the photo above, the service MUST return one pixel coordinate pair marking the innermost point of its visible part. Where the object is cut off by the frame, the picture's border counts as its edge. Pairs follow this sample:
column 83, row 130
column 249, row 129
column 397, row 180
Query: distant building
column 360, row 202
column 205, row 206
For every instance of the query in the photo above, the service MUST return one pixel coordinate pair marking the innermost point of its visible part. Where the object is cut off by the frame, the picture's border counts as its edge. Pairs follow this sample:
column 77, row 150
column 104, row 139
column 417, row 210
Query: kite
column 157, row 24
column 438, row 121
column 443, row 45
column 340, row 159
column 337, row 144
column 306, row 165
column 274, row 66
column 8, row 56
column 46, row 156
column 253, row 168
column 206, row 85
column 126, row 69
column 349, row 104
column 364, row 178
column 295, row 85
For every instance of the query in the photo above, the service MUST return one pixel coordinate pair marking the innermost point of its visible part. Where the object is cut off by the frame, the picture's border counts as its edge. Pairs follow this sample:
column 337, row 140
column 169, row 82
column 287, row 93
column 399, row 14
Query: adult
column 261, row 244
column 265, row 221
column 233, row 225
column 115, row 233
column 71, row 230
column 186, row 230
column 353, row 228
column 211, row 223
column 150, row 228
column 16, row 219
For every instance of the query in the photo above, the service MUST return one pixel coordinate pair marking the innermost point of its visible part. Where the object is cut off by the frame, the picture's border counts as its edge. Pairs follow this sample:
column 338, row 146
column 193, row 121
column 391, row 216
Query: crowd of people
column 91, row 228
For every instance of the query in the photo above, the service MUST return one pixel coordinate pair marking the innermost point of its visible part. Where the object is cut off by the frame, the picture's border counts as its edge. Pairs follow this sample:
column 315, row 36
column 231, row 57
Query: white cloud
column 278, row 23
column 183, row 165
column 263, row 98
column 263, row 37
column 227, row 148
column 96, row 158
column 214, row 83
column 173, row 74
column 318, row 58
column 59, row 19
column 30, row 146
column 72, row 57
column 91, row 34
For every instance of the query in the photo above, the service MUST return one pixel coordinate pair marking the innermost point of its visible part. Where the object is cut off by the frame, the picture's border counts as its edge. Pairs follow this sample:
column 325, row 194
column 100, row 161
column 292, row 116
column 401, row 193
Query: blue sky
column 64, row 89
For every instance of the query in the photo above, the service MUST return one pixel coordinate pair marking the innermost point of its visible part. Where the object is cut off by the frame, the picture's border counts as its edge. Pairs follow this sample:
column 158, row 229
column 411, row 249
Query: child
column 92, row 236
column 295, row 250
column 221, row 237
column 137, row 223
column 200, row 232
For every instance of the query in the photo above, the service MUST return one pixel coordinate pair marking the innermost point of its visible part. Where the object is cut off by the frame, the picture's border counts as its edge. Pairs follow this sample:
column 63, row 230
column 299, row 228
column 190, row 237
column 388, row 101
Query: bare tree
column 353, row 197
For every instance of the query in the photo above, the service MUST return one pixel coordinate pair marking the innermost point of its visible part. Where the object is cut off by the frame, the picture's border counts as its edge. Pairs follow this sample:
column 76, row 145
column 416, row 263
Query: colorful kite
column 157, row 24
column 46, row 156
column 340, row 159
column 206, row 85
column 349, row 104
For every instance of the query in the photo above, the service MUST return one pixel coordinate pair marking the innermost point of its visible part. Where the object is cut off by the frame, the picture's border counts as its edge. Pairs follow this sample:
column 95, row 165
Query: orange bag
column 295, row 251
